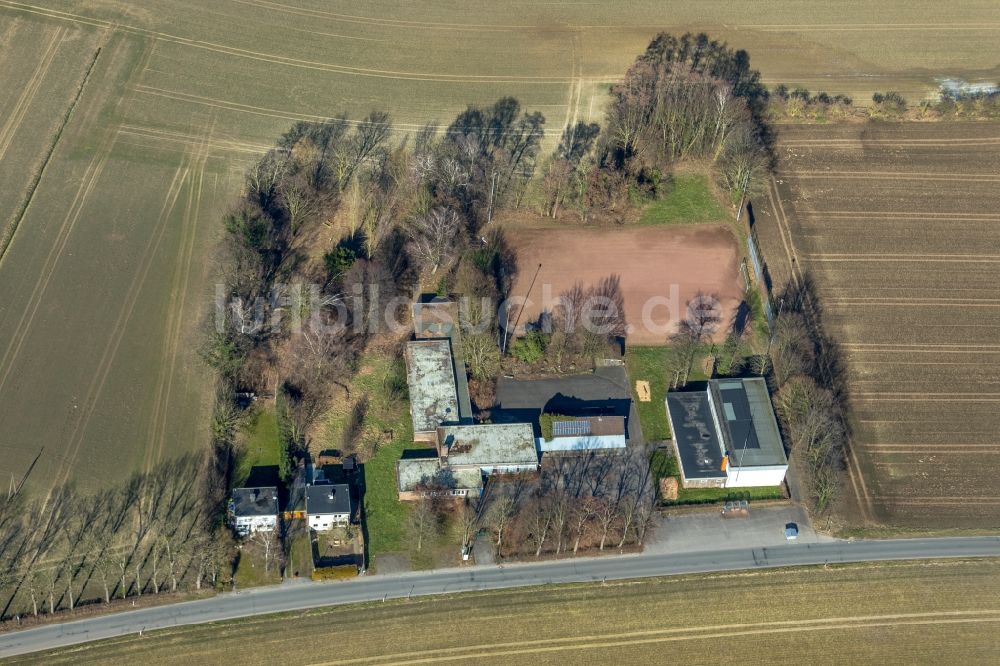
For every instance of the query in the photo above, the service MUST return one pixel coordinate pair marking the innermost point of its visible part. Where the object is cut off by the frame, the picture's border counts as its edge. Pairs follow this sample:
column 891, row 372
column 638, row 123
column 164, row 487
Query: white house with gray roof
column 254, row 510
column 328, row 506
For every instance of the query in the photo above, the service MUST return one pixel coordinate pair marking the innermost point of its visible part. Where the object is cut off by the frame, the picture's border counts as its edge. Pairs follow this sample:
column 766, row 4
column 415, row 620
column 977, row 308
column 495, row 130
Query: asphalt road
column 299, row 595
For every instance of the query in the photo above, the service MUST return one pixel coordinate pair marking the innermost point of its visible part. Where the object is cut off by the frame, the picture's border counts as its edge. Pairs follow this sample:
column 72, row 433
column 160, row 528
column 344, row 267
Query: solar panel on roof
column 570, row 428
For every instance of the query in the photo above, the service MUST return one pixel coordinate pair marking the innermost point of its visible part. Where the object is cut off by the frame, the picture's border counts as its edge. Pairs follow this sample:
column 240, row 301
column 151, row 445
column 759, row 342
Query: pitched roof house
column 328, row 505
column 254, row 510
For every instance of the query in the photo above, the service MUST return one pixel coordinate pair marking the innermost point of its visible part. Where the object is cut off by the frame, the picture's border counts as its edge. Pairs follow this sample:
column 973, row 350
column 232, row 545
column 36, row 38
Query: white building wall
column 747, row 477
column 581, row 443
column 248, row 524
column 326, row 521
column 508, row 469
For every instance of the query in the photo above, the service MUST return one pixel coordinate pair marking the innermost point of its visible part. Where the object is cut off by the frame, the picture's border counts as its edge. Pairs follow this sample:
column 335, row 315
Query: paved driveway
column 605, row 393
column 765, row 526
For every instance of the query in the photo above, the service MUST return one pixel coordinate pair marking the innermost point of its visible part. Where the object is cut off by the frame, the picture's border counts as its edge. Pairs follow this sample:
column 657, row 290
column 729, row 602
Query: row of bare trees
column 685, row 98
column 150, row 534
column 592, row 501
column 811, row 396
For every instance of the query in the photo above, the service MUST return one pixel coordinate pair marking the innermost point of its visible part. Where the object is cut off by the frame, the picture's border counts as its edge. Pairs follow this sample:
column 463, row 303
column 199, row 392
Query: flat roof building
column 584, row 433
column 496, row 448
column 424, row 477
column 726, row 435
column 431, row 379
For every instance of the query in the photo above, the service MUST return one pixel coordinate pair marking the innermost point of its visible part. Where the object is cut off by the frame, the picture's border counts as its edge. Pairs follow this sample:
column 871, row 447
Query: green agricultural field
column 106, row 281
column 930, row 612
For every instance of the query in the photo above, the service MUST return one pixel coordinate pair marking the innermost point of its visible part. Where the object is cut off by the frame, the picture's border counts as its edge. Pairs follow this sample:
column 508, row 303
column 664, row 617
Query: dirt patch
column 661, row 269
column 392, row 563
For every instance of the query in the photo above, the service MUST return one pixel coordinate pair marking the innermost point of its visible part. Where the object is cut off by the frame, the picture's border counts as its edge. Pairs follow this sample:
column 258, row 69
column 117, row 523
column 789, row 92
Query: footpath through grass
column 690, row 200
column 895, row 612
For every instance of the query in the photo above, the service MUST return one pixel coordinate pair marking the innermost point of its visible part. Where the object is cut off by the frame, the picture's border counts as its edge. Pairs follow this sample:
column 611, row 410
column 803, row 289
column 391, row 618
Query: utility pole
column 506, row 331
column 743, row 197
column 489, row 210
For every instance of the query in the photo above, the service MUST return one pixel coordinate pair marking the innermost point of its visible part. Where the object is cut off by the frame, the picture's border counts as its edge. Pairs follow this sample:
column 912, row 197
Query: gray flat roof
column 436, row 318
column 695, row 434
column 489, row 444
column 255, row 501
column 746, row 430
column 749, row 430
column 431, row 379
column 415, row 471
column 333, row 498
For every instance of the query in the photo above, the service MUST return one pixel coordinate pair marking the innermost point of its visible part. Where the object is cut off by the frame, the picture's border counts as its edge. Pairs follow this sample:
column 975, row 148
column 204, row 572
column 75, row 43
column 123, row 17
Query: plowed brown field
column 899, row 226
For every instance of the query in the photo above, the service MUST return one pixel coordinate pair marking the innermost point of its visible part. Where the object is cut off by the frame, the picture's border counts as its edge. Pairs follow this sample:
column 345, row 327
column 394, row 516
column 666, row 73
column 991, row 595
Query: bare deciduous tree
column 482, row 356
column 539, row 523
column 267, row 542
column 437, row 237
column 499, row 516
column 583, row 512
column 422, row 522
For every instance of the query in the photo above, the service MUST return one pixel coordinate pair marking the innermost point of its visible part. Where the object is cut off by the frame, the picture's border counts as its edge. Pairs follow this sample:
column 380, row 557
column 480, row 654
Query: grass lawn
column 382, row 381
column 261, row 443
column 300, row 556
column 250, row 569
column 893, row 612
column 690, row 200
column 712, row 495
column 385, row 515
column 649, row 364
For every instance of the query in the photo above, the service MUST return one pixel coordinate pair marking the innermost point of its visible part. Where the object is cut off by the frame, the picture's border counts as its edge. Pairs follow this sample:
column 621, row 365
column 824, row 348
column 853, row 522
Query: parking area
column 688, row 531
column 604, row 392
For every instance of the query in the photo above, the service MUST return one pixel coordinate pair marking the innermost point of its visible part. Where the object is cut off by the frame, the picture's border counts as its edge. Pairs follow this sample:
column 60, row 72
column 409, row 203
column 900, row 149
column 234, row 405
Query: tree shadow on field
column 830, row 369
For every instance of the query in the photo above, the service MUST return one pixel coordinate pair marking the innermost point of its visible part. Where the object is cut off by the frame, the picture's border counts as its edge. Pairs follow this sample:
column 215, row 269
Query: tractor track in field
column 7, row 235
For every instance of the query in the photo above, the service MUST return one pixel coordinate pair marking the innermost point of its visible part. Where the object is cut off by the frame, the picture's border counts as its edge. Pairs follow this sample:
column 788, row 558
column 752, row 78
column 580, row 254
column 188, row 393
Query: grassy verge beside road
column 899, row 612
